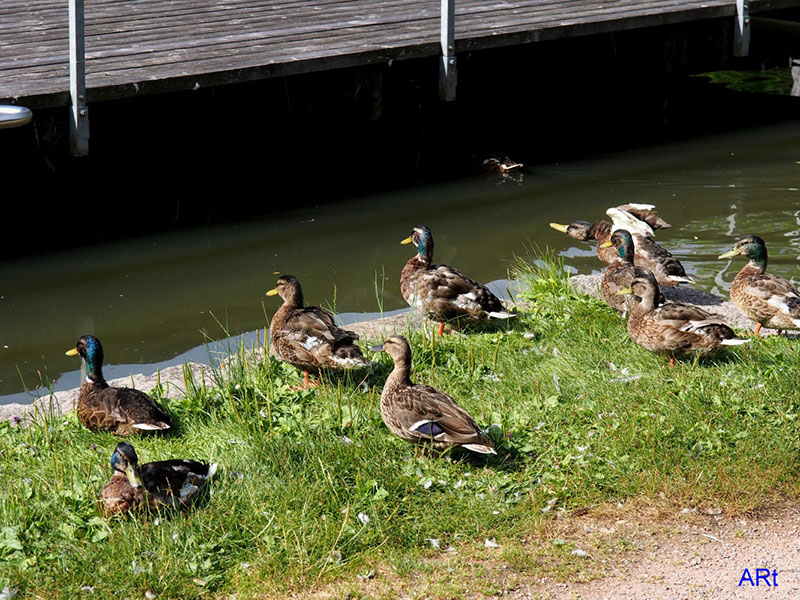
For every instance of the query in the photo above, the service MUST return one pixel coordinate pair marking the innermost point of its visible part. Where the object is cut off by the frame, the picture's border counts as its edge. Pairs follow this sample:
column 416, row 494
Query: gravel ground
column 692, row 556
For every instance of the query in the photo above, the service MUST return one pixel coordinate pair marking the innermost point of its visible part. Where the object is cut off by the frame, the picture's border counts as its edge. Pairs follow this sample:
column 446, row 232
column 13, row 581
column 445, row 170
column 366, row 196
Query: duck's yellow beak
column 273, row 292
column 72, row 352
column 606, row 244
column 729, row 254
column 625, row 292
column 407, row 240
column 559, row 227
column 133, row 476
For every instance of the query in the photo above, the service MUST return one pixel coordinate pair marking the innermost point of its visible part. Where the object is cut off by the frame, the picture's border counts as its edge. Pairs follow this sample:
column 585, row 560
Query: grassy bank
column 312, row 487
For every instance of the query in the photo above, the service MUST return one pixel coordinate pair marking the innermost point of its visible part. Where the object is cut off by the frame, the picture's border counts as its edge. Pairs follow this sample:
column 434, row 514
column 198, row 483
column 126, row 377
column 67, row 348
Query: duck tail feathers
column 480, row 448
column 501, row 315
column 737, row 341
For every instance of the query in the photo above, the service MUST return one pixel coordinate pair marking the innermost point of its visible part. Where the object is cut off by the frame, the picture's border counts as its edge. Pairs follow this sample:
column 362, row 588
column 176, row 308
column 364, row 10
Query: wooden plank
column 172, row 44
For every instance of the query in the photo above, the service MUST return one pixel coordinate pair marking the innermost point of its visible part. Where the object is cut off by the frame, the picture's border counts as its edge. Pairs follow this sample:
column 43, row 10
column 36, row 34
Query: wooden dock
column 136, row 47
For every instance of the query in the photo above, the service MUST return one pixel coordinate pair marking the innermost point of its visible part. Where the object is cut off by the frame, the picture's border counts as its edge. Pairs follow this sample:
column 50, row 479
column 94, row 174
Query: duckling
column 422, row 414
column 769, row 300
column 675, row 327
column 307, row 337
column 120, row 410
column 667, row 269
column 156, row 485
column 620, row 273
column 443, row 293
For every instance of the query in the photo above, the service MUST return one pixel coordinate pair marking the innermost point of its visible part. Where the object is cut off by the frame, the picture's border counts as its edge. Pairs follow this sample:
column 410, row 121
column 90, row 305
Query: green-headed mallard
column 120, row 410
column 155, row 485
column 674, row 328
column 769, row 300
column 620, row 273
column 307, row 337
column 441, row 292
column 422, row 414
column 649, row 254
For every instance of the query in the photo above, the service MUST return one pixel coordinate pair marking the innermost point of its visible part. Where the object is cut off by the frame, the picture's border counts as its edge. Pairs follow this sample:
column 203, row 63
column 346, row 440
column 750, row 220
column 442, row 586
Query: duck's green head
column 752, row 247
column 422, row 238
column 622, row 240
column 125, row 461
column 91, row 351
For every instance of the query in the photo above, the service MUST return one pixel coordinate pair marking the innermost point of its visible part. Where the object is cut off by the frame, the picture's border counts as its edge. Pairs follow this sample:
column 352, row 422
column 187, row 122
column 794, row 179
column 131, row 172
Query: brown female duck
column 156, row 485
column 442, row 292
column 769, row 300
column 120, row 410
column 674, row 328
column 307, row 337
column 422, row 414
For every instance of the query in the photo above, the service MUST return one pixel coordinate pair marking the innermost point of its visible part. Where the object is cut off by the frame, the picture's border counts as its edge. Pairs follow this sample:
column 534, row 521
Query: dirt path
column 695, row 556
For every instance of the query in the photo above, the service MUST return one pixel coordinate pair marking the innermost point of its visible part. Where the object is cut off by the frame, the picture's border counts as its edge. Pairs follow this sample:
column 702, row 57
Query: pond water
column 155, row 300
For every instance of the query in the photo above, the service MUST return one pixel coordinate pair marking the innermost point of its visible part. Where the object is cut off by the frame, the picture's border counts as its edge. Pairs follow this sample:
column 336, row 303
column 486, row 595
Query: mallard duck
column 422, row 414
column 307, row 337
column 667, row 269
column 155, row 485
column 619, row 274
column 675, row 328
column 500, row 164
column 769, row 300
column 120, row 410
column 586, row 231
column 441, row 292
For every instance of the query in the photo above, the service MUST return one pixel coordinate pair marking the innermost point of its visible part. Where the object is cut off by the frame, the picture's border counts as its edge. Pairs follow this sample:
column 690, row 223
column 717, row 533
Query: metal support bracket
column 741, row 33
column 79, row 110
column 447, row 67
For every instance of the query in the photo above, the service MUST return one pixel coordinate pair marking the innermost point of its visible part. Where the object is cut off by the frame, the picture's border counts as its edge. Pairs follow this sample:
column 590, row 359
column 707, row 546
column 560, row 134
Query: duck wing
column 652, row 255
column 426, row 413
column 175, row 483
column 311, row 338
column 447, row 293
column 120, row 409
column 646, row 213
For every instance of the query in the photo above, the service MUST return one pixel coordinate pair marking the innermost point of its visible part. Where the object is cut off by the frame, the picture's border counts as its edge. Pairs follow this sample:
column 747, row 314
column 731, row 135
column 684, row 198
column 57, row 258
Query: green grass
column 312, row 487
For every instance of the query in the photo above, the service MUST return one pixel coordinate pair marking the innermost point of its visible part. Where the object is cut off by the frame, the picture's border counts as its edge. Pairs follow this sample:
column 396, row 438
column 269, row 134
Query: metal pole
column 741, row 34
column 447, row 68
column 79, row 111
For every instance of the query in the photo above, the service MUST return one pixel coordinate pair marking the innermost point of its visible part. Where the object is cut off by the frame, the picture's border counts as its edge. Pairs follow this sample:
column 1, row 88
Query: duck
column 585, row 231
column 499, row 163
column 165, row 484
column 769, row 300
column 421, row 414
column 674, row 328
column 307, row 336
column 120, row 410
column 600, row 231
column 442, row 292
column 650, row 254
column 620, row 273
